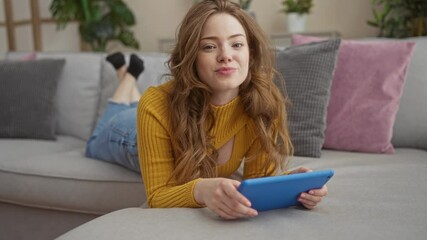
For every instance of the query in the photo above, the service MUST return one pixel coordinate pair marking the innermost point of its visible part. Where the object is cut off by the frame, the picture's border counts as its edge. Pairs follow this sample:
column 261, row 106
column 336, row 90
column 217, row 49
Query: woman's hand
column 220, row 195
column 313, row 197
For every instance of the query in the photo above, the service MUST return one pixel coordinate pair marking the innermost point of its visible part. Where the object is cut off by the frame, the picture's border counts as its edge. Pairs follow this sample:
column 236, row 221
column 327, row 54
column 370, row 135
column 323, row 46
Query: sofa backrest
column 86, row 84
column 78, row 91
column 410, row 127
column 153, row 75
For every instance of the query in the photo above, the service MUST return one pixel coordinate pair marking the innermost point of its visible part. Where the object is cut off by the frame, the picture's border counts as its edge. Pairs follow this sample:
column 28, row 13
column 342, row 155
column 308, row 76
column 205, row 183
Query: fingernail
column 311, row 192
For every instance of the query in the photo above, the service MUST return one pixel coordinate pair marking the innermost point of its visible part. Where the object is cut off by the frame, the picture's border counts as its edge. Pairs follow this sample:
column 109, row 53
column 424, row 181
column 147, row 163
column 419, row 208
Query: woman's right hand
column 221, row 196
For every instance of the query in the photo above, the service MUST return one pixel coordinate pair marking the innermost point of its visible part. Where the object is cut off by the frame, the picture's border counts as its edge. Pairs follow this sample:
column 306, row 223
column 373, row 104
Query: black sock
column 136, row 66
column 116, row 59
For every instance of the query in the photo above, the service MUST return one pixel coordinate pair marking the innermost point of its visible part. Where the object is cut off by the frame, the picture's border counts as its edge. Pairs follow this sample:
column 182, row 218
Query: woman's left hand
column 313, row 197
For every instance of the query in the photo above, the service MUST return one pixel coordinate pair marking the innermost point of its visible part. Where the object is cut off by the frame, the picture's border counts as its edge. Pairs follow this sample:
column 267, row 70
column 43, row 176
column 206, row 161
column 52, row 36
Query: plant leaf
column 99, row 20
column 122, row 13
column 128, row 39
column 372, row 23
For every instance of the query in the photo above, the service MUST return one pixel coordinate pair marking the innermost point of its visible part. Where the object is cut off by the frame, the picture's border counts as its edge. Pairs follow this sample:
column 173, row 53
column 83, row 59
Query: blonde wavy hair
column 191, row 115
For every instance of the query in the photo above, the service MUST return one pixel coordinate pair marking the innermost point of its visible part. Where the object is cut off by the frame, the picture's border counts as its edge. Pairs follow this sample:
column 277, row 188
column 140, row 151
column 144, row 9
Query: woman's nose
column 224, row 55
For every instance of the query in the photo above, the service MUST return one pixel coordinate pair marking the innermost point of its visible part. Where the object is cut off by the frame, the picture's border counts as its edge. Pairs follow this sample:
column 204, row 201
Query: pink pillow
column 23, row 57
column 29, row 57
column 365, row 93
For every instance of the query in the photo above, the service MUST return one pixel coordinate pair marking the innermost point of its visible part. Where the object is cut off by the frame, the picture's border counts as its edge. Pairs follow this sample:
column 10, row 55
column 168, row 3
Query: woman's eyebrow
column 230, row 37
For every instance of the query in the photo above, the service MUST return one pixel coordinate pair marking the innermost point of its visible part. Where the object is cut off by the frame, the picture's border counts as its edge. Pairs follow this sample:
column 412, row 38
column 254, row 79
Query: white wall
column 158, row 19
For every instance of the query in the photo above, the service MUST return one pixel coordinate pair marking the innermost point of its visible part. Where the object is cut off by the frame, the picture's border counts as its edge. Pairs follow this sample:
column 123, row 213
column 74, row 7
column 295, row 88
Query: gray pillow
column 27, row 98
column 308, row 70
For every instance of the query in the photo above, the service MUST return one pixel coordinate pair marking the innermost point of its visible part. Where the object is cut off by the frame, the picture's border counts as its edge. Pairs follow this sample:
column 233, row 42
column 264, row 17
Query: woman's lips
column 225, row 70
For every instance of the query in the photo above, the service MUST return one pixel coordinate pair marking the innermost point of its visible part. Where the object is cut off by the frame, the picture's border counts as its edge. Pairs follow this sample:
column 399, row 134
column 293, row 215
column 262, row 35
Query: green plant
column 297, row 6
column 100, row 21
column 400, row 18
column 245, row 4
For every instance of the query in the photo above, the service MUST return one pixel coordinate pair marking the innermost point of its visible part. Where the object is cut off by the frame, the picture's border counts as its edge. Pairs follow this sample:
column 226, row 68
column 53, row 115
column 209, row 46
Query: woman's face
column 223, row 57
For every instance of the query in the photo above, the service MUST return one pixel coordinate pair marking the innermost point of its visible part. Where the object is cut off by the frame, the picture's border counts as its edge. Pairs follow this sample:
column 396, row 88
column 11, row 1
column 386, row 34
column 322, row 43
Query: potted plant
column 99, row 21
column 246, row 5
column 297, row 11
column 400, row 18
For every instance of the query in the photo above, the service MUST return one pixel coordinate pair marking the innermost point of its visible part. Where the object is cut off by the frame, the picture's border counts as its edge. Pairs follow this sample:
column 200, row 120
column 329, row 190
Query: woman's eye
column 208, row 47
column 238, row 45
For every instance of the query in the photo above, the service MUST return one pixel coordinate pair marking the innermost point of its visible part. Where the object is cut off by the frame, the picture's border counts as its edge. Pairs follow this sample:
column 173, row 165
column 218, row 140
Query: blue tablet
column 282, row 191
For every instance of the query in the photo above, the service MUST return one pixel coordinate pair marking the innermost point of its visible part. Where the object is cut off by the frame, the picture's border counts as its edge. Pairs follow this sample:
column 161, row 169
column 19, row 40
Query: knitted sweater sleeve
column 156, row 155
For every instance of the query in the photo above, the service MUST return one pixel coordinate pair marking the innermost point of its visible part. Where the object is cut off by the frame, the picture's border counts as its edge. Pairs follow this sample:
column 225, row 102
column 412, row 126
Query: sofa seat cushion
column 12, row 149
column 371, row 196
column 66, row 180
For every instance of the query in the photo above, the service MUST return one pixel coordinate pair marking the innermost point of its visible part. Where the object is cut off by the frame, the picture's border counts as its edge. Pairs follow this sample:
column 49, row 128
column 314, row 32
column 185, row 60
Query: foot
column 116, row 59
column 136, row 66
column 121, row 72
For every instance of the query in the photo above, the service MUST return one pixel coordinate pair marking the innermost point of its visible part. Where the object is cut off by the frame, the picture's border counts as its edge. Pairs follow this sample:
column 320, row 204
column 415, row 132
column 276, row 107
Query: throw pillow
column 365, row 94
column 23, row 56
column 308, row 71
column 27, row 98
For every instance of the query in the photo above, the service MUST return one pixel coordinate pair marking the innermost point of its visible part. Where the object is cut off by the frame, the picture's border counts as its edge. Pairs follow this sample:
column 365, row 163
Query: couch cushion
column 12, row 149
column 27, row 96
column 410, row 127
column 371, row 196
column 308, row 71
column 78, row 91
column 66, row 180
column 153, row 75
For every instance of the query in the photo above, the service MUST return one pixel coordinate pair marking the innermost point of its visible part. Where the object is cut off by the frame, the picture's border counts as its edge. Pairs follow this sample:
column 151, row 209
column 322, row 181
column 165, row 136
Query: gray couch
column 48, row 188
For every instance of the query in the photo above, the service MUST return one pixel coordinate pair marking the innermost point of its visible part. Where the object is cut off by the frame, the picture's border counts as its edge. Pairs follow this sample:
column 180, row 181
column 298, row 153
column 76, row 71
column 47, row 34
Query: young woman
column 220, row 108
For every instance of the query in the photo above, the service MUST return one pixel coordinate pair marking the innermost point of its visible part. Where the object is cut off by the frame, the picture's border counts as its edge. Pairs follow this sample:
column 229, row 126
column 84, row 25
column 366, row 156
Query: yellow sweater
column 156, row 154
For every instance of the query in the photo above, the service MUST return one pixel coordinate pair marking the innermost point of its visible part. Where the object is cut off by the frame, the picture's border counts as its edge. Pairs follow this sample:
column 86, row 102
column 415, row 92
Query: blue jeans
column 114, row 137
